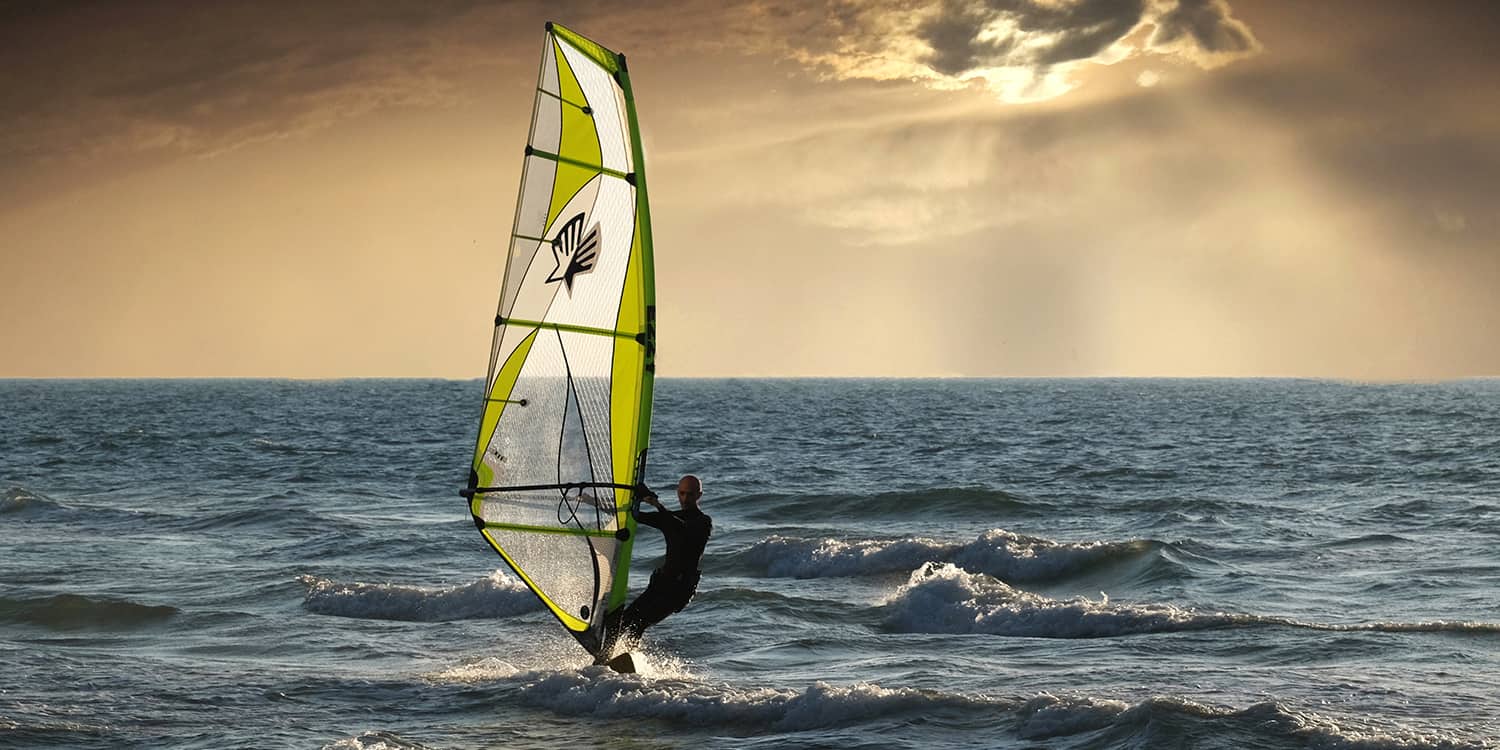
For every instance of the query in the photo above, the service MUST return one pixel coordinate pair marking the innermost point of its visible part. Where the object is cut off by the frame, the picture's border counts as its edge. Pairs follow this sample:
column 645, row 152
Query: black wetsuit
column 673, row 584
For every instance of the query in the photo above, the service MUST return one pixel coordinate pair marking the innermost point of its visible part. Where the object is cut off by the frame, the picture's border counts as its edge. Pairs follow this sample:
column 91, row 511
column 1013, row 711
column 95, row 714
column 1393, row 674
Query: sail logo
column 574, row 251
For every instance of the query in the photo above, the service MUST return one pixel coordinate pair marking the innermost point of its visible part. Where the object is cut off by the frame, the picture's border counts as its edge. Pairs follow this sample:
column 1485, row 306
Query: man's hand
column 647, row 496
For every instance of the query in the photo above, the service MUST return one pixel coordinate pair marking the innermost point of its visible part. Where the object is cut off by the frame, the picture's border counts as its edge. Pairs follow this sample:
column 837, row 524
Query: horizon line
column 341, row 378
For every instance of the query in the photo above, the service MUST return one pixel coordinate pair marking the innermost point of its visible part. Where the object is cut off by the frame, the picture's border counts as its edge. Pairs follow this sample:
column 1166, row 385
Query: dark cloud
column 1208, row 24
column 1086, row 29
column 953, row 36
column 84, row 79
column 971, row 35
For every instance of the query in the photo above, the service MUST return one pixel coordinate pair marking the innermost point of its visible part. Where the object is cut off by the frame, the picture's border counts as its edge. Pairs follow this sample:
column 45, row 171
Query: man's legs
column 652, row 606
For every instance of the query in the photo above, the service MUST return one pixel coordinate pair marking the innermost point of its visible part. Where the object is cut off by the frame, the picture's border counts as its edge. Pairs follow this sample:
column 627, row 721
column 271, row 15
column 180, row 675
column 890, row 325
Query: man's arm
column 654, row 520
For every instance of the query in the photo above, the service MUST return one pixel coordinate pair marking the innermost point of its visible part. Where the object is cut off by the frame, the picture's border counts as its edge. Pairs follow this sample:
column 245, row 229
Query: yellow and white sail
column 567, row 412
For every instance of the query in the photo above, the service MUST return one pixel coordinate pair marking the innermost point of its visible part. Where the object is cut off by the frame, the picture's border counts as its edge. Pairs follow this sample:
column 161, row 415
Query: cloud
column 1312, row 216
column 1020, row 47
column 89, row 80
column 1024, row 50
column 1204, row 31
column 84, row 81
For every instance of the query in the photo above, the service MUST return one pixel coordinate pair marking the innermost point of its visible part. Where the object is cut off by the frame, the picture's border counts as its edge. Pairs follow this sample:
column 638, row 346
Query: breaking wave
column 588, row 693
column 375, row 740
column 943, row 598
column 496, row 596
column 1002, row 554
column 1160, row 721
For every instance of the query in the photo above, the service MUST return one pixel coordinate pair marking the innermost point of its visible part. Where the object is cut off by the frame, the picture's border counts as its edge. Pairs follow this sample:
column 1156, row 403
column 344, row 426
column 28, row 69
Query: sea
column 1008, row 563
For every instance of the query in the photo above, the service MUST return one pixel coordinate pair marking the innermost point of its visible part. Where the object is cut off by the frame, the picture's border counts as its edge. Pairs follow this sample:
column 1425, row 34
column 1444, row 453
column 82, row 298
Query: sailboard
column 566, row 419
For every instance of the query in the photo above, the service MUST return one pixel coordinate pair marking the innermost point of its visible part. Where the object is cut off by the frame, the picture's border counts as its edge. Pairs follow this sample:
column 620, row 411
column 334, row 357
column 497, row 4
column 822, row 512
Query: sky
column 853, row 188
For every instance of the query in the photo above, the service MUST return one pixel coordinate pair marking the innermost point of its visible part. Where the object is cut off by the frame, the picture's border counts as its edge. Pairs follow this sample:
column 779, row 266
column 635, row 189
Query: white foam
column 1000, row 553
column 374, row 741
column 1427, row 626
column 557, row 656
column 1048, row 716
column 497, row 595
column 942, row 598
column 487, row 669
column 598, row 693
column 1016, row 557
column 1321, row 731
column 786, row 557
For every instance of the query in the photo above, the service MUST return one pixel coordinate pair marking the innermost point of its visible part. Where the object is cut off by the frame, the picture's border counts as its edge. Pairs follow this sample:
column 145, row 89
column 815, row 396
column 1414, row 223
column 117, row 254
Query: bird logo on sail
column 574, row 251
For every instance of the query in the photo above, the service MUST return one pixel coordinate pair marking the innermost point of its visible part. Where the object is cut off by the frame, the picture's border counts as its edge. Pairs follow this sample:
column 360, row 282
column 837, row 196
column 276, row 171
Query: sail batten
column 566, row 417
column 598, row 168
column 633, row 335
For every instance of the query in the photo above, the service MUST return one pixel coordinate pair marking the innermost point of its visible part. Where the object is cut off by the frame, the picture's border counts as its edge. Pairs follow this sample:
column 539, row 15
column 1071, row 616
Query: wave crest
column 942, row 598
column 1000, row 553
column 1158, row 721
column 76, row 612
column 376, row 740
column 496, row 596
column 1173, row 721
column 24, row 502
column 682, row 701
column 899, row 504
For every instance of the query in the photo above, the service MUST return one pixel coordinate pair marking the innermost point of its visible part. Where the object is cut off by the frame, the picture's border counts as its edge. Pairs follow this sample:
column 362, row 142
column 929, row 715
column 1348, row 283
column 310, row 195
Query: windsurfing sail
column 567, row 408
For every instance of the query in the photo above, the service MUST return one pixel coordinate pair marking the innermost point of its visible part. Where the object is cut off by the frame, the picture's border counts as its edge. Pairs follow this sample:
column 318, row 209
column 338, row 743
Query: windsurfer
column 686, row 532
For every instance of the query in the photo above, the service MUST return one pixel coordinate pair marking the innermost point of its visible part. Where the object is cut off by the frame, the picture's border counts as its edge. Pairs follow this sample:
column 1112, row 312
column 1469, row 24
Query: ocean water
column 896, row 564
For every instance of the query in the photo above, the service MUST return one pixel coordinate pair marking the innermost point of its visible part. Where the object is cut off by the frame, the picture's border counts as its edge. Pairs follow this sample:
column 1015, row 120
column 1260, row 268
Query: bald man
column 672, row 585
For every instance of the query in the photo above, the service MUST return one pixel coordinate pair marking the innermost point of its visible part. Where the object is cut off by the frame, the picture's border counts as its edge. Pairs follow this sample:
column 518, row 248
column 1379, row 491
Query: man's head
column 689, row 489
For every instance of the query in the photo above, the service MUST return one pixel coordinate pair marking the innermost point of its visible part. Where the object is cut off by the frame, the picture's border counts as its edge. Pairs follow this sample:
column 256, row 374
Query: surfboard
column 566, row 416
